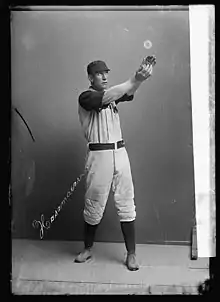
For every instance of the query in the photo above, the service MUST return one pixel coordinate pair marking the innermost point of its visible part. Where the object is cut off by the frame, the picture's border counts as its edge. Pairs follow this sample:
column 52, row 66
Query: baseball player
column 107, row 162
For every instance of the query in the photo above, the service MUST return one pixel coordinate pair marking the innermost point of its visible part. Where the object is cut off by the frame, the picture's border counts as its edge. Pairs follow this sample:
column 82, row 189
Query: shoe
column 131, row 262
column 83, row 256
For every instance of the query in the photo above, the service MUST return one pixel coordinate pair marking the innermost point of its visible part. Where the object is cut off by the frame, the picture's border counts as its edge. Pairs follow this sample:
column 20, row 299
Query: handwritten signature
column 47, row 224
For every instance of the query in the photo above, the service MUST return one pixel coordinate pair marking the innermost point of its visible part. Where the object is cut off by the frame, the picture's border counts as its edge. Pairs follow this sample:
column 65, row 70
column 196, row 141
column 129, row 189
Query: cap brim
column 101, row 70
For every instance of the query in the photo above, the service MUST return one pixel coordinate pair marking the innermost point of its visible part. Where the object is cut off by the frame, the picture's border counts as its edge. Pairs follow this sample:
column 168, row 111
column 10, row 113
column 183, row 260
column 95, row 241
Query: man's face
column 99, row 80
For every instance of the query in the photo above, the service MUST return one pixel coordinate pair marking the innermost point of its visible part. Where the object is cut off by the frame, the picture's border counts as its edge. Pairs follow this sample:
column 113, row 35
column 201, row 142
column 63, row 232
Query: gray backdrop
column 50, row 52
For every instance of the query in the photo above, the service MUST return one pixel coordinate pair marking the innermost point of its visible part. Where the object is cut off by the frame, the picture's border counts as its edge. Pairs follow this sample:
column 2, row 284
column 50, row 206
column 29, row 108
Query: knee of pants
column 93, row 211
column 126, row 210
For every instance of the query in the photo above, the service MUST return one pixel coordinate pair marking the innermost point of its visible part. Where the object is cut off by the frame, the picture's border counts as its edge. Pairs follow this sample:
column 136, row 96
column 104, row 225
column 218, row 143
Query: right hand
column 146, row 68
column 144, row 72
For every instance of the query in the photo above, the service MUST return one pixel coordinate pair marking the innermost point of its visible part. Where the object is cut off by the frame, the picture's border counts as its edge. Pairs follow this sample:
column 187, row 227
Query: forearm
column 129, row 87
column 134, row 85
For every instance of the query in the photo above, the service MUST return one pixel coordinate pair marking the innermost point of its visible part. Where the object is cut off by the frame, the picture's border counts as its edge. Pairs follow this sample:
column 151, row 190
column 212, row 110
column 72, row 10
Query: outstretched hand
column 146, row 68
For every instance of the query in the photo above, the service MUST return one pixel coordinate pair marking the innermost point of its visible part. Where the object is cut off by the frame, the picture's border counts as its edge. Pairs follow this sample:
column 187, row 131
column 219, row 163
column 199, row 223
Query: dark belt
column 106, row 146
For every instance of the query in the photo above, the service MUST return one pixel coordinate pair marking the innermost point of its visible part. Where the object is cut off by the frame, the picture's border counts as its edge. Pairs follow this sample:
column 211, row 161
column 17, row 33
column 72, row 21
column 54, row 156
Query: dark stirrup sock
column 128, row 232
column 89, row 234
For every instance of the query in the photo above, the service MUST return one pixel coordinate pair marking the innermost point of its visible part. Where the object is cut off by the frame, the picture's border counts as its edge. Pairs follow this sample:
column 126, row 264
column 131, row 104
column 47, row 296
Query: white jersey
column 101, row 124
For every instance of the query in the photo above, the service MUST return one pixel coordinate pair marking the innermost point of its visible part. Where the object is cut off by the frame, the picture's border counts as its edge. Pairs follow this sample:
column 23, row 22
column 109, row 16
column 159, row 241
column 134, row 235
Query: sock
column 89, row 234
column 128, row 232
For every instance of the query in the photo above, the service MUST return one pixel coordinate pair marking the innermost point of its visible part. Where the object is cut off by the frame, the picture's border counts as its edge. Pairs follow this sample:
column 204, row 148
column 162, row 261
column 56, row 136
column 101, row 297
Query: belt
column 106, row 146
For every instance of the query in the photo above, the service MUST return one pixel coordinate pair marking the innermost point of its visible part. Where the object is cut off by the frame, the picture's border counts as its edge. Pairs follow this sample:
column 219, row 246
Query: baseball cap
column 97, row 66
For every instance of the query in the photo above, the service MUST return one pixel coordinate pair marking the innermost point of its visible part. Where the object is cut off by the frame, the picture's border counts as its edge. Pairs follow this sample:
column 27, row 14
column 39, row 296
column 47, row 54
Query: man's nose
column 104, row 76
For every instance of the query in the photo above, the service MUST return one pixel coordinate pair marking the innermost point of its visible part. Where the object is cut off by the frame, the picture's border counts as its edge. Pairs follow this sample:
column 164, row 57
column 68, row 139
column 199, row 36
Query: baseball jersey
column 100, row 123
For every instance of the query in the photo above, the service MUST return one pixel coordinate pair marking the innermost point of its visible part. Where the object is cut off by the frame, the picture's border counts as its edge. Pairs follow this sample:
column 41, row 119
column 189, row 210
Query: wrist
column 136, row 80
column 139, row 78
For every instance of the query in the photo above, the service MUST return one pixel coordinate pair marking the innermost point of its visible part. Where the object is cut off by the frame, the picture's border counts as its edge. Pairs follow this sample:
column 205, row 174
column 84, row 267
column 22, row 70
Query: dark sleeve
column 125, row 98
column 91, row 100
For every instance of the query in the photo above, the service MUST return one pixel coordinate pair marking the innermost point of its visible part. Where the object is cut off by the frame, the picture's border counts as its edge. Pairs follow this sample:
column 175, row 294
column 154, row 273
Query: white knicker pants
column 106, row 169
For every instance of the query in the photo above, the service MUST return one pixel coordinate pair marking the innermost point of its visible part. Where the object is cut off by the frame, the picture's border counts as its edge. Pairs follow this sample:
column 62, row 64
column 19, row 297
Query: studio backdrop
column 49, row 54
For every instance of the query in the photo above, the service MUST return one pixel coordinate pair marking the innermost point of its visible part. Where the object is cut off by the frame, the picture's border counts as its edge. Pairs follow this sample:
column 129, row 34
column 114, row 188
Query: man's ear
column 90, row 77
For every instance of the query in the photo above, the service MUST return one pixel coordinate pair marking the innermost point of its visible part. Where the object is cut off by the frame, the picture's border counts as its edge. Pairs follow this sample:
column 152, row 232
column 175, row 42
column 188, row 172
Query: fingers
column 150, row 69
column 144, row 61
column 149, row 60
column 147, row 70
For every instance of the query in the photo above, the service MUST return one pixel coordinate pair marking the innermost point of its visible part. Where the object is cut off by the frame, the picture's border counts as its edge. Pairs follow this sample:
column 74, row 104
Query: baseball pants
column 108, row 169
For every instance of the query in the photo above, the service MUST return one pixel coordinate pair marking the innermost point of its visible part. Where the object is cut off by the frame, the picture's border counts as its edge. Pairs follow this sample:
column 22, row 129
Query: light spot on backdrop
column 147, row 44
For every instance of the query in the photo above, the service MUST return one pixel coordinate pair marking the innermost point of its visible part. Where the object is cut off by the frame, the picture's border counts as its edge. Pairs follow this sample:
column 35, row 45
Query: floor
column 47, row 267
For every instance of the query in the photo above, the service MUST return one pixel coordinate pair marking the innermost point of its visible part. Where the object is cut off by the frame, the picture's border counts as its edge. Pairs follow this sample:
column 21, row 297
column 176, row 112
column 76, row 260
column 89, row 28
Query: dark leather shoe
column 131, row 262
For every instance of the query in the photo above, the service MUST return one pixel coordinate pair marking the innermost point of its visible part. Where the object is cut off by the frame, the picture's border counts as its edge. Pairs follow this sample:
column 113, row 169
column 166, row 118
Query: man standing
column 107, row 160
